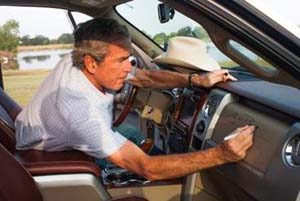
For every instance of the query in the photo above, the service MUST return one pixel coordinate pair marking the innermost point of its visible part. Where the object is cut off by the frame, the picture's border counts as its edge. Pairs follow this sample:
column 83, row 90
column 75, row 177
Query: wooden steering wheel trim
column 127, row 107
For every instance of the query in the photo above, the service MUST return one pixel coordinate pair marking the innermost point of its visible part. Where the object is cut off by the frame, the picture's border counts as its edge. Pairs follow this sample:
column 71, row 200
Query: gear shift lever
column 146, row 145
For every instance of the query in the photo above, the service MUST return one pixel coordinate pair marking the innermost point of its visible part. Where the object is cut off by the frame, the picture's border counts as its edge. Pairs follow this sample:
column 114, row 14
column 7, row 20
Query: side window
column 251, row 56
column 32, row 41
column 80, row 17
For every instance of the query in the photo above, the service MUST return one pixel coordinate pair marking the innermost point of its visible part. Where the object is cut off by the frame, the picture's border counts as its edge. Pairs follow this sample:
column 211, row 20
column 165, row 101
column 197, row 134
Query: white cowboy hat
column 187, row 52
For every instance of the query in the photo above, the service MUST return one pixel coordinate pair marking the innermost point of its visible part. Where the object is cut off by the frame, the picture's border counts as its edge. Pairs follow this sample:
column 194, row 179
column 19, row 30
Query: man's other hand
column 212, row 78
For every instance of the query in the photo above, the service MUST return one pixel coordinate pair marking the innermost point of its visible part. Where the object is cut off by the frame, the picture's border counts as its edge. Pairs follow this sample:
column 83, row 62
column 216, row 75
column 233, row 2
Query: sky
column 53, row 22
column 39, row 21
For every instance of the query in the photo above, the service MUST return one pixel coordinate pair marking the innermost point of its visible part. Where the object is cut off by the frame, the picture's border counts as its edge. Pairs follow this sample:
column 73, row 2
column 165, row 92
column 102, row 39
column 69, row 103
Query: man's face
column 112, row 71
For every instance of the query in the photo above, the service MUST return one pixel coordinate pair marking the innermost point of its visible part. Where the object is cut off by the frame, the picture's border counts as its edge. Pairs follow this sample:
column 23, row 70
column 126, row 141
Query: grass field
column 21, row 85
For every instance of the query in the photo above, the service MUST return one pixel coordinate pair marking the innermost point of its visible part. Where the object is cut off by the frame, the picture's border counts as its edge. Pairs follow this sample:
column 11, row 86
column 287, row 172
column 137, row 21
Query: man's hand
column 235, row 148
column 212, row 78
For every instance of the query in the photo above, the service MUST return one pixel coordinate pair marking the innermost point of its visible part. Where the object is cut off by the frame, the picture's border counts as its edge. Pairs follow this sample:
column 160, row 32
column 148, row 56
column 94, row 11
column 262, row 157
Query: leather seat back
column 16, row 184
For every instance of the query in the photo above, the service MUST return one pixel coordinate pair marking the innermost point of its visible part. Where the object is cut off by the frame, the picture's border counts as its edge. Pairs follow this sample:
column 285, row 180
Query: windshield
column 139, row 12
column 286, row 13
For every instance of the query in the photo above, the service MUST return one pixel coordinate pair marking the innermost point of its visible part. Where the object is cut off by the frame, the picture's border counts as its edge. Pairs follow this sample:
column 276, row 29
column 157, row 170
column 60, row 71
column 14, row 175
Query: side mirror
column 165, row 13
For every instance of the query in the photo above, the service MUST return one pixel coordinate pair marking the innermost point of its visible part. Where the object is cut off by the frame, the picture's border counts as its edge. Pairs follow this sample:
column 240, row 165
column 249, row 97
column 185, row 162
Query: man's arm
column 164, row 79
column 130, row 157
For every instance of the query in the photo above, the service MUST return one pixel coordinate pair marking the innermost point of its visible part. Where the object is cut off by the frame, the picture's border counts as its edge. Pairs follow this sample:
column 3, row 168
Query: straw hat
column 187, row 52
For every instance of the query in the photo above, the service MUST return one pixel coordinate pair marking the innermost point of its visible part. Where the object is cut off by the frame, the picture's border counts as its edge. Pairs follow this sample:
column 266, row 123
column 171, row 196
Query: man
column 73, row 107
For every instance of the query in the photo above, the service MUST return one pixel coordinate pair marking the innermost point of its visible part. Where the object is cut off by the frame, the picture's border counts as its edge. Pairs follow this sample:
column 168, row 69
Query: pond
column 47, row 59
column 41, row 59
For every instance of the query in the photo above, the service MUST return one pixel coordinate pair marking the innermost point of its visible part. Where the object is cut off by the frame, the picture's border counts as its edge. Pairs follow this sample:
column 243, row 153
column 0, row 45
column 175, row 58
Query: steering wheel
column 127, row 95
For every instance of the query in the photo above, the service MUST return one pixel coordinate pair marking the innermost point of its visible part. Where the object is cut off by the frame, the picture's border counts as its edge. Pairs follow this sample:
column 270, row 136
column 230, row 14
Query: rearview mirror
column 165, row 13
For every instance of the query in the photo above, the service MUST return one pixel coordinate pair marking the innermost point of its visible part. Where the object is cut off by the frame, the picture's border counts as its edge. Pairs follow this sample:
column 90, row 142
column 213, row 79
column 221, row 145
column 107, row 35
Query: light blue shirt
column 68, row 112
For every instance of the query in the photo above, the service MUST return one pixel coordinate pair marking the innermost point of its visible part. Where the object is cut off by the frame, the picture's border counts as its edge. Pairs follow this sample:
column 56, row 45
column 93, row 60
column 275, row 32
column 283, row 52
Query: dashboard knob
column 200, row 127
column 296, row 151
column 292, row 151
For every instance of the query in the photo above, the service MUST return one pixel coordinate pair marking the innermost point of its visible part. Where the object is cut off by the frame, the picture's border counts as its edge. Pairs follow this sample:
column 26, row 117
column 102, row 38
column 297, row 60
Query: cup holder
column 120, row 178
column 123, row 177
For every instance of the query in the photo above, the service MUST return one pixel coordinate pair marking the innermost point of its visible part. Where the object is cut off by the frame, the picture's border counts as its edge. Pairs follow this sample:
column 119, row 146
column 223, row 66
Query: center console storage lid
column 63, row 162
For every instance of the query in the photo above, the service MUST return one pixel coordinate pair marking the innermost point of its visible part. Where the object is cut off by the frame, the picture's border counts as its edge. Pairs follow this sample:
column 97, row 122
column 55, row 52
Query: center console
column 183, row 119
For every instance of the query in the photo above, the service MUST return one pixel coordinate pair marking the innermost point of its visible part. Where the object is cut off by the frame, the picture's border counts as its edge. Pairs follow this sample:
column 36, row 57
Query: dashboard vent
column 292, row 151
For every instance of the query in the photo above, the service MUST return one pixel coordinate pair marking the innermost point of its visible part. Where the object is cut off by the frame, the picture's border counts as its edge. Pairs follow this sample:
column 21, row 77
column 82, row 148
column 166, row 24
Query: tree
column 199, row 32
column 9, row 39
column 160, row 38
column 65, row 39
column 53, row 41
column 171, row 35
column 185, row 31
column 39, row 40
column 25, row 40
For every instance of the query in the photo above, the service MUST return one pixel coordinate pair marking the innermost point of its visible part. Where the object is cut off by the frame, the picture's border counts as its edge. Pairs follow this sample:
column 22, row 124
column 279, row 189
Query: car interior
column 180, row 120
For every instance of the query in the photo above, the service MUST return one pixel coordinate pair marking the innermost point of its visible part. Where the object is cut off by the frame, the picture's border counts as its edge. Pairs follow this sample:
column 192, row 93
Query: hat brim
column 207, row 63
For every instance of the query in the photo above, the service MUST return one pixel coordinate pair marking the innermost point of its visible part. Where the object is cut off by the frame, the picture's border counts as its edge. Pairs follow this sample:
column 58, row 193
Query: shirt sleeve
column 90, row 127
